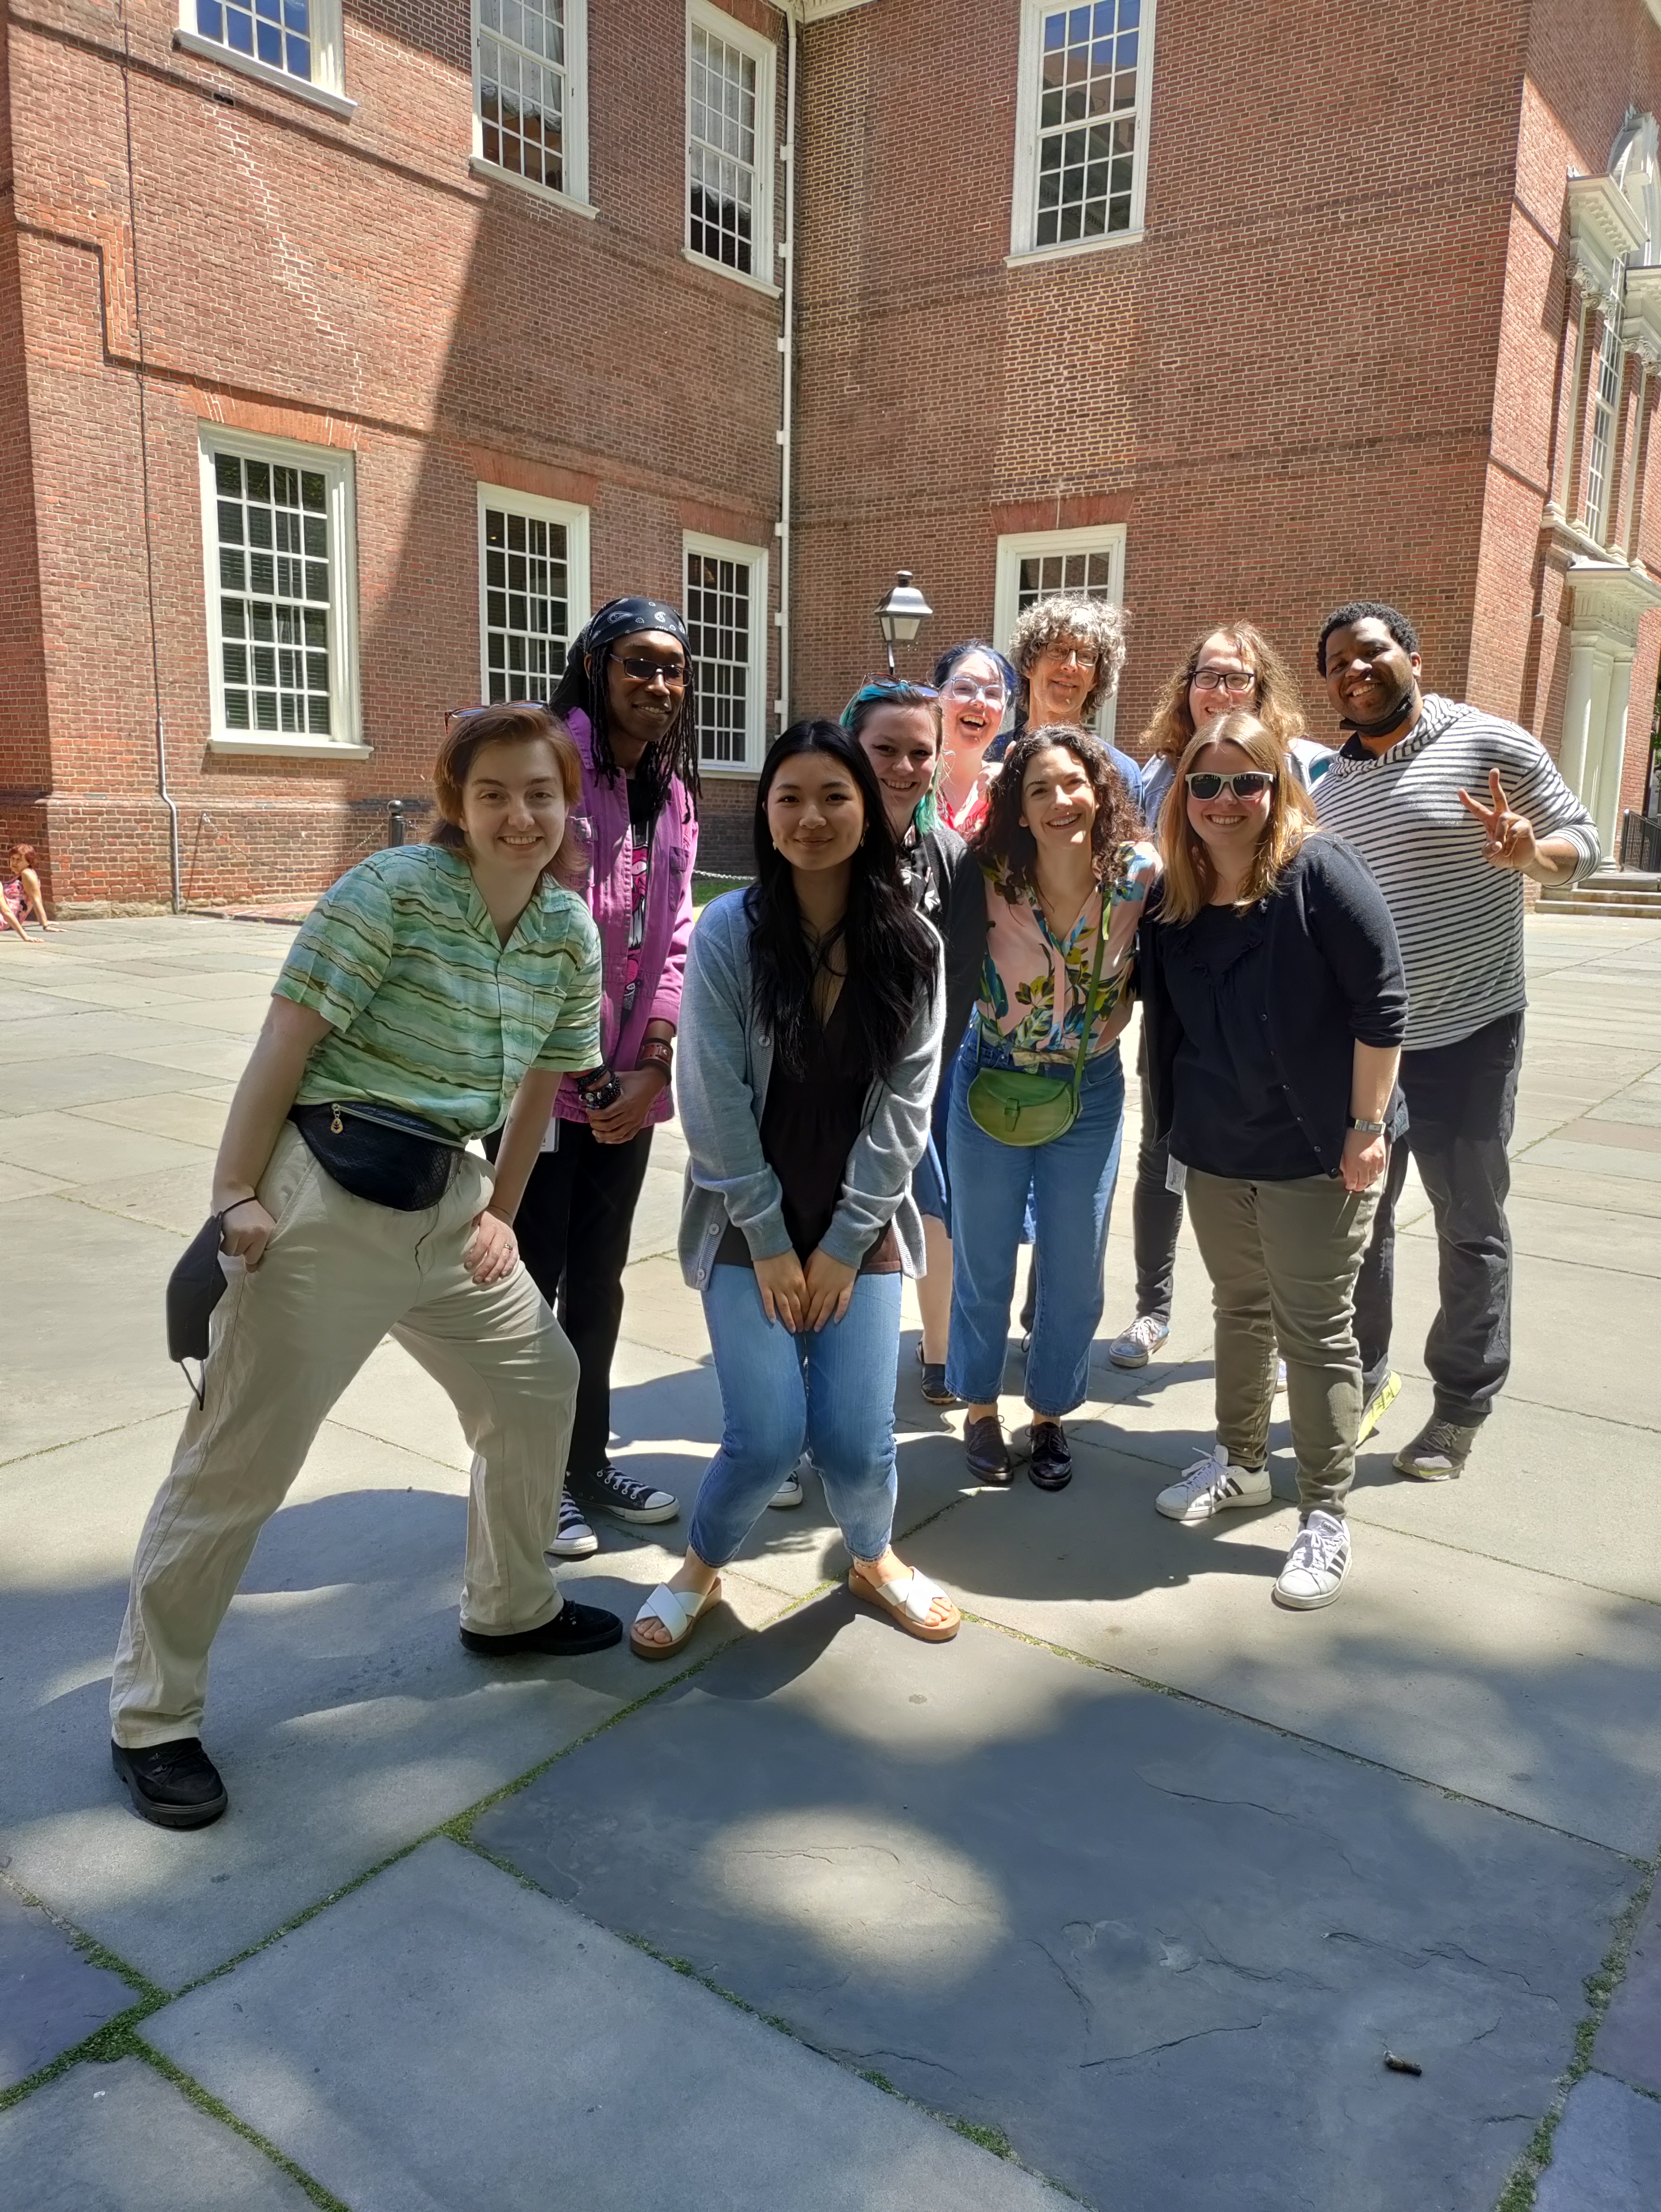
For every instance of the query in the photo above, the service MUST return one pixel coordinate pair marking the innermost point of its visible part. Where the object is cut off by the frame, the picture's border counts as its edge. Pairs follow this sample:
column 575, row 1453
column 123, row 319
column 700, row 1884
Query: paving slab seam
column 207, row 2103
column 71, row 1444
column 1298, row 1736
column 110, row 2040
column 1520, row 2190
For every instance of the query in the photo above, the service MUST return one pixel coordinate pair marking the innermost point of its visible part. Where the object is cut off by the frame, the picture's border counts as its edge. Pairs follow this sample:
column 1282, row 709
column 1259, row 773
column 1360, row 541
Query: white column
column 1604, row 799
column 1577, row 713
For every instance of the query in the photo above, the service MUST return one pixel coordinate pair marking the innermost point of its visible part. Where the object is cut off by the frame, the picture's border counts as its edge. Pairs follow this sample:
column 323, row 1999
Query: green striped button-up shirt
column 429, row 1011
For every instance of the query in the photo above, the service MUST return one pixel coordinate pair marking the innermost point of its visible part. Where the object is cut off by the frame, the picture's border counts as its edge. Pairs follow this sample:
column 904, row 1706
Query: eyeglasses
column 1238, row 682
column 643, row 669
column 965, row 688
column 1244, row 783
column 1084, row 657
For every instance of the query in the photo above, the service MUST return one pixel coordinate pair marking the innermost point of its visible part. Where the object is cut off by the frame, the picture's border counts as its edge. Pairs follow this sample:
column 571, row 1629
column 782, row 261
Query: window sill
column 494, row 173
column 281, row 748
column 729, row 768
column 1031, row 255
column 733, row 276
column 209, row 50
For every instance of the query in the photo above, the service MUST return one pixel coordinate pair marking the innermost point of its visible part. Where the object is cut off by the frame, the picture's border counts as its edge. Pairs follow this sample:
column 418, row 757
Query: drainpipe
column 787, row 351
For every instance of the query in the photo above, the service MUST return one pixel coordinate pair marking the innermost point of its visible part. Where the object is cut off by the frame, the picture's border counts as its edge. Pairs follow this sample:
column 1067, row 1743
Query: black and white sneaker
column 620, row 1498
column 576, row 1539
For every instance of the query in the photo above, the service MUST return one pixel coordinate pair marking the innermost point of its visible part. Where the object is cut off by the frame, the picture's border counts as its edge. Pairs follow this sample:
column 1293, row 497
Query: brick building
column 350, row 350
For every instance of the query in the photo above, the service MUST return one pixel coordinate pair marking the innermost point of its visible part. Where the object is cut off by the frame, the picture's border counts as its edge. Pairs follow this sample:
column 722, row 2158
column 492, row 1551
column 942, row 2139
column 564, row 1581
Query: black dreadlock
column 674, row 754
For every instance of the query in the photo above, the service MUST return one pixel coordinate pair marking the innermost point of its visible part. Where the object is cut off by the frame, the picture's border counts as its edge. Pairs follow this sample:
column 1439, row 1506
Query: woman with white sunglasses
column 975, row 684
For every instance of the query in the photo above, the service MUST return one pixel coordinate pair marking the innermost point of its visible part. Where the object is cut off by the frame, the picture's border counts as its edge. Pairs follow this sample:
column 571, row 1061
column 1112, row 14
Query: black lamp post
column 902, row 614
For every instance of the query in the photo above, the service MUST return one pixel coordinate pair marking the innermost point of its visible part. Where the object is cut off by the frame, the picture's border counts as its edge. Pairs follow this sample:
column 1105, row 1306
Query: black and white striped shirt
column 1459, row 920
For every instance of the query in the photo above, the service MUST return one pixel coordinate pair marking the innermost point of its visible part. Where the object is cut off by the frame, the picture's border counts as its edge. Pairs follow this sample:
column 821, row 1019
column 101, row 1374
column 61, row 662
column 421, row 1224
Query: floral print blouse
column 1029, row 1012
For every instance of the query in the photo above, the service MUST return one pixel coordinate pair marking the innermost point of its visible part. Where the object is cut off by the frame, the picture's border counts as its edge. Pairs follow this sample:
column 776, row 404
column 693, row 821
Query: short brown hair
column 1277, row 705
column 24, row 854
column 519, row 722
column 1190, row 878
column 1001, row 842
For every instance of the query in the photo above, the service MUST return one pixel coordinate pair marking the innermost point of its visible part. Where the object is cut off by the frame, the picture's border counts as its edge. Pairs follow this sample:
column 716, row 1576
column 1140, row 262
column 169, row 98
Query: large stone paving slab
column 51, row 1996
column 122, row 2139
column 1164, row 1949
column 444, row 2040
column 1606, row 2155
column 1629, row 2041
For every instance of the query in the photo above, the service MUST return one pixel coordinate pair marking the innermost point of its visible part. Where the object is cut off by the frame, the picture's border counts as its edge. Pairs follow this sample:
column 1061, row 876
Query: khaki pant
column 1283, row 1258
column 337, row 1274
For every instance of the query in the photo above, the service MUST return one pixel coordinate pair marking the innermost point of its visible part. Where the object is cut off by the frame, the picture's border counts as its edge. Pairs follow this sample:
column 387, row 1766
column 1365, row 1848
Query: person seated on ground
column 20, row 893
column 810, row 1043
column 975, row 684
column 432, row 985
column 1276, row 1004
column 1069, row 654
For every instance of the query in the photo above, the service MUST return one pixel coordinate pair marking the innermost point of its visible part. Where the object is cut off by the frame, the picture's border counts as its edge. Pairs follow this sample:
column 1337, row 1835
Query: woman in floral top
column 1060, row 863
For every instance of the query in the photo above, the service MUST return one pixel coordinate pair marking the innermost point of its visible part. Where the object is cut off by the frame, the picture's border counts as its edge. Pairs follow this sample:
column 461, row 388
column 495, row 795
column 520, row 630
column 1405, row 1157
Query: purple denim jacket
column 603, row 819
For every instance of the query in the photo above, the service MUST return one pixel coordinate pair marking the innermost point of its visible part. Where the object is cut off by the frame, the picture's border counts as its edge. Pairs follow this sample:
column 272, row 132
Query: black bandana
column 622, row 617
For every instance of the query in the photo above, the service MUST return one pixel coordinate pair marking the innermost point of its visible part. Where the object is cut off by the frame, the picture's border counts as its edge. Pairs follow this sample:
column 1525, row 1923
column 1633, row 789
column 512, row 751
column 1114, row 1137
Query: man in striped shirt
column 1450, row 808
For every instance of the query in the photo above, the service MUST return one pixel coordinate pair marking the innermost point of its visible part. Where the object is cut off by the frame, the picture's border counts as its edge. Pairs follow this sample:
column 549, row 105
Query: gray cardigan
column 722, row 1064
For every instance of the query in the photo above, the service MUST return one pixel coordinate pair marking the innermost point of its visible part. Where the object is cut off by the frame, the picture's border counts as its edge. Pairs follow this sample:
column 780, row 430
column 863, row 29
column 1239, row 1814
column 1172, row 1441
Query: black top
column 948, row 890
column 1324, row 974
column 809, row 1125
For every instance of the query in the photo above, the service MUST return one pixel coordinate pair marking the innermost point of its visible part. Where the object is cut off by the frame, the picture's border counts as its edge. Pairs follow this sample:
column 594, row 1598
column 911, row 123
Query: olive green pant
column 338, row 1275
column 1283, row 1258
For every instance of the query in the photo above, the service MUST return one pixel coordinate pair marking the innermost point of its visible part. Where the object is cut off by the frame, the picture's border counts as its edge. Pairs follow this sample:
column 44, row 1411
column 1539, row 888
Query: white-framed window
column 1600, row 439
column 729, row 144
column 530, row 92
column 1086, row 74
column 294, row 43
column 726, row 622
column 281, row 571
column 533, row 590
column 1087, row 563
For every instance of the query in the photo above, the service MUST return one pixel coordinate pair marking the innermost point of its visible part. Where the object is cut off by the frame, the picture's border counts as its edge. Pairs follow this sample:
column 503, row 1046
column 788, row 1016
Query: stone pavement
column 1126, row 1892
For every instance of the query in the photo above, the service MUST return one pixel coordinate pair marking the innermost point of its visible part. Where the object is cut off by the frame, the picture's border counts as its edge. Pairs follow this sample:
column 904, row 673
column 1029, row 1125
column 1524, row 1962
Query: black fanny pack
column 391, row 1159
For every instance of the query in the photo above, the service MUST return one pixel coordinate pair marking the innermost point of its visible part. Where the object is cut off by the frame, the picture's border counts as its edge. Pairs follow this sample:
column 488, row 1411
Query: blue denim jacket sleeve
column 717, row 1078
column 894, row 1135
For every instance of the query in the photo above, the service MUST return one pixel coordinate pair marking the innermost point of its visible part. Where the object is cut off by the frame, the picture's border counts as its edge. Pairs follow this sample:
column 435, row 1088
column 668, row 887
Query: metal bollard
column 395, row 821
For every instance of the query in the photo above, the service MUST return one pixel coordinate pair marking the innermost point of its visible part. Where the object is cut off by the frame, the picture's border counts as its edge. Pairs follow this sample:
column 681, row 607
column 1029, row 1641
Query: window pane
column 719, row 621
column 720, row 121
column 521, row 88
column 528, row 625
column 275, row 32
column 264, row 591
column 1088, row 72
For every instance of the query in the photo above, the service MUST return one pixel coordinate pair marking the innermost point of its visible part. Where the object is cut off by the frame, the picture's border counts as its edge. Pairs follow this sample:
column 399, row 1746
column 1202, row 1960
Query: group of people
column 894, row 1052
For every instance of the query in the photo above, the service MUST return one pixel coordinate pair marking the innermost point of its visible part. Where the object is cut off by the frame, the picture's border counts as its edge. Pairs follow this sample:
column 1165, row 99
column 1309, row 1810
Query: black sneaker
column 574, row 1630
column 175, row 1785
column 1050, row 1464
column 609, row 1492
column 576, row 1539
column 933, row 1381
column 986, row 1452
column 1439, row 1452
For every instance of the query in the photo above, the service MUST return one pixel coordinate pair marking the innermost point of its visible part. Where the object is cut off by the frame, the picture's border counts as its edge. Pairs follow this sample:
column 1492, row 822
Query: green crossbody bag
column 1016, row 1105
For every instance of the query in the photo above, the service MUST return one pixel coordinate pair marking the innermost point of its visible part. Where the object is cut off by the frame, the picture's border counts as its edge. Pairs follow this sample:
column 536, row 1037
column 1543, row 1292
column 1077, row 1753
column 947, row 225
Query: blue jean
column 1071, row 1179
column 833, row 1391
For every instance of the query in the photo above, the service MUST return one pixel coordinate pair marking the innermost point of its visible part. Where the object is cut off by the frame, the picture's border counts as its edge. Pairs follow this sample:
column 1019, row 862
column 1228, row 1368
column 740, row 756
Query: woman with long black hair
column 811, row 1039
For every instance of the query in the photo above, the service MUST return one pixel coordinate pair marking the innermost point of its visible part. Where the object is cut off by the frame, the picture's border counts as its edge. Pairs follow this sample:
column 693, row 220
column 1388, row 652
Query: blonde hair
column 1277, row 704
column 1190, row 877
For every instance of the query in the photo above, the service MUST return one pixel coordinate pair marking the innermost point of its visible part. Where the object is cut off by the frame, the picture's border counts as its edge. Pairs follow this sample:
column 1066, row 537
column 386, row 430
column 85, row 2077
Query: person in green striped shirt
column 434, row 993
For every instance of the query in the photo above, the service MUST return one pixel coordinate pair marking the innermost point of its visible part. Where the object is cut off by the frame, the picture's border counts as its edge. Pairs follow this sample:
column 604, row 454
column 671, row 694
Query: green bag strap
column 1090, row 1002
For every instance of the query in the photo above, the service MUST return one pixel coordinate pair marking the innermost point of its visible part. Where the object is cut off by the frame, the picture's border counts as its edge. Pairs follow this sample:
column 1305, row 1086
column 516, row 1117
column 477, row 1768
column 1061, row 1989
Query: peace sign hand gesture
column 1509, row 838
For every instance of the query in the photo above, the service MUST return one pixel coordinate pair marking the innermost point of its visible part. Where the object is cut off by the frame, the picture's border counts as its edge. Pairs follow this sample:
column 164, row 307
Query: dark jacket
column 1336, row 979
column 949, row 890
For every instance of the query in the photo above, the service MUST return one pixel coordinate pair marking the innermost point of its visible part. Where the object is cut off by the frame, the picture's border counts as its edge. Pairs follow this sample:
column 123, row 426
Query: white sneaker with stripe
column 1212, row 1485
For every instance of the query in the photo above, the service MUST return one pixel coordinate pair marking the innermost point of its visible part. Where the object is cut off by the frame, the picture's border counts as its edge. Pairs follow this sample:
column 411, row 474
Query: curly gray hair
column 1096, row 622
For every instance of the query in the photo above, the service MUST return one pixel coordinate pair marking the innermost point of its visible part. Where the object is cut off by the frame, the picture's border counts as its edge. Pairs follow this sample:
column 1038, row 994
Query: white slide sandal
column 679, row 1611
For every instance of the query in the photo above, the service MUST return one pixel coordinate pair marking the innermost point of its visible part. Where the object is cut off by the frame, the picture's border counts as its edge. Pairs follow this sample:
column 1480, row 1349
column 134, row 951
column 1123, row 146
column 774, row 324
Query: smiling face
column 972, row 703
column 645, row 684
column 1058, row 804
column 1231, row 827
column 815, row 815
column 1060, row 681
column 1367, row 674
column 512, row 806
column 899, row 743
column 1210, row 693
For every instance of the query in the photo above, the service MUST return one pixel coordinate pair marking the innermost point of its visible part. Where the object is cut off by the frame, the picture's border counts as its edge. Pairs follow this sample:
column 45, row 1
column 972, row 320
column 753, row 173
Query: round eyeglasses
column 1238, row 682
column 965, row 688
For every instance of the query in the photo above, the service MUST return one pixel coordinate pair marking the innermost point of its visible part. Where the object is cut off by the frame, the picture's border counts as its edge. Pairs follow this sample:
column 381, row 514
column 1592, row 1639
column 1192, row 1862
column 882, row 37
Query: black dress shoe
column 1050, row 1466
column 176, row 1784
column 933, row 1381
column 574, row 1630
column 986, row 1452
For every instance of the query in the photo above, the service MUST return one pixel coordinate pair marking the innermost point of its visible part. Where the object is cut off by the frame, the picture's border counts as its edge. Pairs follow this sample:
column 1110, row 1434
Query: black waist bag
column 392, row 1159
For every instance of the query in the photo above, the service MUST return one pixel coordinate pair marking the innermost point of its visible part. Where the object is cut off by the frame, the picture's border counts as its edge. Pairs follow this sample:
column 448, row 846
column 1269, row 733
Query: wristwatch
column 1367, row 1129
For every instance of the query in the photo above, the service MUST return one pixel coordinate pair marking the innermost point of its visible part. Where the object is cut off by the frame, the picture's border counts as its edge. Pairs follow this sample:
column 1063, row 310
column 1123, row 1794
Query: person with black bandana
column 627, row 696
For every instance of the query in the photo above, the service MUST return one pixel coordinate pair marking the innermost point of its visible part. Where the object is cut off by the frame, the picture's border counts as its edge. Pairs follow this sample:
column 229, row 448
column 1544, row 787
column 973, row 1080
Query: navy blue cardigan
column 1336, row 979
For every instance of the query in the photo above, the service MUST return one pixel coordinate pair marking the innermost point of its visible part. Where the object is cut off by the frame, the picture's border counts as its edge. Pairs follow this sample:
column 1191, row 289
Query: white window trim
column 1109, row 538
column 575, row 521
column 338, row 466
column 326, row 86
column 765, row 56
column 1024, row 207
column 573, row 123
column 756, row 726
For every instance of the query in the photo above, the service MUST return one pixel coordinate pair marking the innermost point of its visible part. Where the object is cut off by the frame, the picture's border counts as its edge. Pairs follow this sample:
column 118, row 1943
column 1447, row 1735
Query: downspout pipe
column 782, row 529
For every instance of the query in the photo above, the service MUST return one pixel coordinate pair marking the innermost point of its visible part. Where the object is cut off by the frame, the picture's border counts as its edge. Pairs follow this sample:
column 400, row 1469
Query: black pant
column 573, row 1226
column 1462, row 1101
column 1156, row 1213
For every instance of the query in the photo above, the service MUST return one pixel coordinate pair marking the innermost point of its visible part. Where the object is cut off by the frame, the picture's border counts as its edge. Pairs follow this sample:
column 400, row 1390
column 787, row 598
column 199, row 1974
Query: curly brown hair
column 1002, row 843
column 1276, row 705
column 1098, row 624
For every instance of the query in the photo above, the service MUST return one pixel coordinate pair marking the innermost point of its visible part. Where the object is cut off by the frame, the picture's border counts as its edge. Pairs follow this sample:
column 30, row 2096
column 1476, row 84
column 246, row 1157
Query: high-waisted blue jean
column 1071, row 1179
column 832, row 1390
